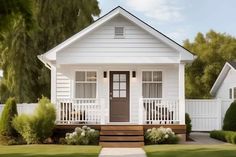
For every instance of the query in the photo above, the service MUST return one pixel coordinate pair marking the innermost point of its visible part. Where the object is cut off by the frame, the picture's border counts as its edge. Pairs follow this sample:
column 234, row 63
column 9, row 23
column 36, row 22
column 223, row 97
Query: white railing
column 159, row 111
column 79, row 111
column 23, row 108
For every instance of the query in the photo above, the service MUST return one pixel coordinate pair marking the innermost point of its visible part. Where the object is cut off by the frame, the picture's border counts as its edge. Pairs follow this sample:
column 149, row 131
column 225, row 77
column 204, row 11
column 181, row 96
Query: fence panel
column 22, row 108
column 207, row 114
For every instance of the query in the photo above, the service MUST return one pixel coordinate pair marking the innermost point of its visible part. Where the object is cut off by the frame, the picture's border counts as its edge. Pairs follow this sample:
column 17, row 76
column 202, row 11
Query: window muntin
column 85, row 84
column 152, row 84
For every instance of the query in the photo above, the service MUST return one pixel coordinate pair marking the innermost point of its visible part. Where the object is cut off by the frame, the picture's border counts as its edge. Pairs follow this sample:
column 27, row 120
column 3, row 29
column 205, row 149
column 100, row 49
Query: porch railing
column 78, row 111
column 158, row 111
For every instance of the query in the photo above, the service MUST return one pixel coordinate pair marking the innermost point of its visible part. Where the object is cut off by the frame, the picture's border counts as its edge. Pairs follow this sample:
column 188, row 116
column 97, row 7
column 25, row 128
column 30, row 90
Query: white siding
column 100, row 46
column 229, row 82
column 65, row 82
column 63, row 86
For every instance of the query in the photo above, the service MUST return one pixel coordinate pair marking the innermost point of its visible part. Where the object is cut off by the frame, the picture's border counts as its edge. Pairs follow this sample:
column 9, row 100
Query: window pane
column 145, row 90
column 122, row 85
column 123, row 94
column 147, row 76
column 230, row 93
column 115, row 94
column 115, row 85
column 152, row 90
column 234, row 92
column 85, row 90
column 80, row 76
column 122, row 77
column 115, row 77
column 157, row 76
column 91, row 76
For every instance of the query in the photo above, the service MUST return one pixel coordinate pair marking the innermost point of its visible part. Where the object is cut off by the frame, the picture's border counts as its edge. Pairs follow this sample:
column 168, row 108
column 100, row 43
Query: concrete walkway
column 124, row 152
column 202, row 138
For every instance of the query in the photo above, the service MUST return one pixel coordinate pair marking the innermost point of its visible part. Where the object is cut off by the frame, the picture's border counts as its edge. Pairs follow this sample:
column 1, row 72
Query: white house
column 118, row 70
column 225, row 85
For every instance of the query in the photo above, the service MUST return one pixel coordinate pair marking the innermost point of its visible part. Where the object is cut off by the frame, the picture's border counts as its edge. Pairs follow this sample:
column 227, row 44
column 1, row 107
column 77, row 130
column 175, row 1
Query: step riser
column 126, row 128
column 122, row 138
column 121, row 133
column 121, row 144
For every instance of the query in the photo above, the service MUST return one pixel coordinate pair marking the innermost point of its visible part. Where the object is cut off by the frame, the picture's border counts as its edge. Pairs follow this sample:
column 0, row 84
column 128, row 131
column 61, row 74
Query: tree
column 30, row 28
column 212, row 51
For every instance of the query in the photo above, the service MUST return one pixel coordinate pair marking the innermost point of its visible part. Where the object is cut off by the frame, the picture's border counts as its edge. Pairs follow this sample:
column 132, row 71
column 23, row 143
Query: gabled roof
column 222, row 75
column 186, row 56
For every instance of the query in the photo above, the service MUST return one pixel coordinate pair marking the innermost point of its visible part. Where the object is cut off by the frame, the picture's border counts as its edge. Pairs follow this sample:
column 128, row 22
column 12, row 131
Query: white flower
column 92, row 130
column 166, row 136
column 84, row 127
column 78, row 129
column 82, row 133
column 149, row 130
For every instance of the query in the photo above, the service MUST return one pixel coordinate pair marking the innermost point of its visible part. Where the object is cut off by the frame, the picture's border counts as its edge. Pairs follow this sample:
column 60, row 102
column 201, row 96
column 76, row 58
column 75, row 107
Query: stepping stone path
column 122, row 152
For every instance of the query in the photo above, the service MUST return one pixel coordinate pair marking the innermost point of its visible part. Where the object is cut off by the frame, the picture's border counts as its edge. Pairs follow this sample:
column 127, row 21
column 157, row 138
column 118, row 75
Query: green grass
column 225, row 150
column 49, row 151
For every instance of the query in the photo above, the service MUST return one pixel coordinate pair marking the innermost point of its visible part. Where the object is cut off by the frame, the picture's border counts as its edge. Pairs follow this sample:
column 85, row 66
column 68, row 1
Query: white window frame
column 75, row 82
column 162, row 82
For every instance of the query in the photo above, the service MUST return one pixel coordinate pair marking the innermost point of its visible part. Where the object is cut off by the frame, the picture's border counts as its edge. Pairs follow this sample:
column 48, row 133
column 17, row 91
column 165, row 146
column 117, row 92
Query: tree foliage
column 212, row 50
column 32, row 27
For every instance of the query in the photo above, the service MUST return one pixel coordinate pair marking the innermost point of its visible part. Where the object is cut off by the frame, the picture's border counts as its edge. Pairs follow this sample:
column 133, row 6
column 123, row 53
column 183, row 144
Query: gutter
column 44, row 61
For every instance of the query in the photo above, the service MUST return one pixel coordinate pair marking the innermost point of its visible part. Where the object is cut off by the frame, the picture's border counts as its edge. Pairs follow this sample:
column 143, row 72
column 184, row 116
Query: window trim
column 162, row 82
column 75, row 82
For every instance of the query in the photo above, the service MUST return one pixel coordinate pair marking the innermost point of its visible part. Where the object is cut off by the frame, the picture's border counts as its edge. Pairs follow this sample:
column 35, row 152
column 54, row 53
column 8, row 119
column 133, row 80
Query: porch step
column 121, row 136
column 121, row 144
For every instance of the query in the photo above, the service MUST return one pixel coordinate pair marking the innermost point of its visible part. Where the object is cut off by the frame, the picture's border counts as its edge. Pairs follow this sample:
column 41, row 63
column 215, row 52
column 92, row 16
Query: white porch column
column 53, row 84
column 182, row 93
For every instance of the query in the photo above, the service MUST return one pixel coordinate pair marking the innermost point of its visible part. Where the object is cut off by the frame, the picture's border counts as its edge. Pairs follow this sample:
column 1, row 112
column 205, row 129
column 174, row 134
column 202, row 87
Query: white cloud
column 162, row 10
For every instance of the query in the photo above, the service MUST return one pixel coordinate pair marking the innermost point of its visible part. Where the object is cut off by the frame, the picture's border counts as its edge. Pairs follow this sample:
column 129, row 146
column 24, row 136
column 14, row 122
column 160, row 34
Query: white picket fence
column 22, row 108
column 207, row 114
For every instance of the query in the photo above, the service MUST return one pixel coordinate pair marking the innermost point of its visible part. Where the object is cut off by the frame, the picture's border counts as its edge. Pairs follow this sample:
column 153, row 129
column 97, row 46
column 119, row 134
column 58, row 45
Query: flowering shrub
column 83, row 136
column 160, row 136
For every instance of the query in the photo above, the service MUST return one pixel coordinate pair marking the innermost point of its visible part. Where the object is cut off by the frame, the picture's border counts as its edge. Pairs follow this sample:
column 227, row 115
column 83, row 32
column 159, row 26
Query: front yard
column 49, row 151
column 225, row 150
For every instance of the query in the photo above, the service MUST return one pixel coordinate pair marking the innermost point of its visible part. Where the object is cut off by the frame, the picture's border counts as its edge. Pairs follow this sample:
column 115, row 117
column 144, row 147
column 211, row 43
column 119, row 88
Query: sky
column 181, row 19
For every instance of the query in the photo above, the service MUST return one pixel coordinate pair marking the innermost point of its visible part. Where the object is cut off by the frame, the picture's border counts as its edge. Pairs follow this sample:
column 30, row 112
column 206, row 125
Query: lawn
column 49, row 151
column 226, row 150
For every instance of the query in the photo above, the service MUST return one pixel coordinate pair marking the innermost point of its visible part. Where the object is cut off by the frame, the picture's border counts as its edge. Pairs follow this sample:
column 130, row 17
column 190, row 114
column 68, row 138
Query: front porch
column 156, row 111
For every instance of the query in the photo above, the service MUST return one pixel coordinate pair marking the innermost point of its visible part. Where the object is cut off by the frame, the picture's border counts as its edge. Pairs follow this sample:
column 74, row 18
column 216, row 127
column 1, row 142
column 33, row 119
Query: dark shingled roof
column 233, row 64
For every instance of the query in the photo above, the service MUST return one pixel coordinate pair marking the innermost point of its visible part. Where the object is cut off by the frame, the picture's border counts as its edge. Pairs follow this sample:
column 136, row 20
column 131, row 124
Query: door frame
column 129, row 92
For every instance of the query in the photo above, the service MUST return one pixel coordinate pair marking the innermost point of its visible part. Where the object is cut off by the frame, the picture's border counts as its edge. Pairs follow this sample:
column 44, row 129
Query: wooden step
column 122, row 127
column 122, row 138
column 121, row 132
column 121, row 144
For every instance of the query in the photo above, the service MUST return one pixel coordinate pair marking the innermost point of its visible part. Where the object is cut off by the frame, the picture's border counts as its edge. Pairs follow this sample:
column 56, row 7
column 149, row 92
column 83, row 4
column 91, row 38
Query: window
column 119, row 85
column 230, row 93
column 235, row 93
column 152, row 84
column 85, row 84
column 119, row 32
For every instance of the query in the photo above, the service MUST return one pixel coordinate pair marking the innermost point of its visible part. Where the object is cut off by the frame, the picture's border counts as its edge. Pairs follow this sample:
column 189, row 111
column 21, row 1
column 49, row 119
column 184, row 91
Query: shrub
column 8, row 113
column 230, row 118
column 188, row 124
column 38, row 127
column 226, row 136
column 82, row 136
column 160, row 136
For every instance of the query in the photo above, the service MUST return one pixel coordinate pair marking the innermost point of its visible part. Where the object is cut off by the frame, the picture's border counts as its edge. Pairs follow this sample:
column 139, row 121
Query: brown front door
column 119, row 96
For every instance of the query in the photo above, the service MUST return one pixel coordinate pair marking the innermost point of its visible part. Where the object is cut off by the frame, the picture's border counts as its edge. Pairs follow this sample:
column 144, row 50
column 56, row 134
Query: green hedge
column 226, row 136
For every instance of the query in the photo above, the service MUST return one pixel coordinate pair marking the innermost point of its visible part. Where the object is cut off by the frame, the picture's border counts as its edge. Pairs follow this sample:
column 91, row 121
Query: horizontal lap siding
column 62, row 86
column 101, row 44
